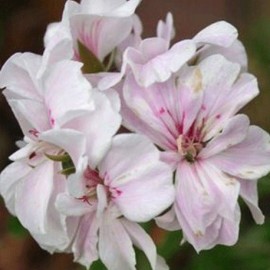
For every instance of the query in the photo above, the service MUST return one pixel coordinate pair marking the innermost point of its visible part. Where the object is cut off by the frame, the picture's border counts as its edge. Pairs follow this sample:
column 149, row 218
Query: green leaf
column 58, row 158
column 171, row 245
column 15, row 227
column 91, row 63
column 98, row 265
column 142, row 261
column 68, row 171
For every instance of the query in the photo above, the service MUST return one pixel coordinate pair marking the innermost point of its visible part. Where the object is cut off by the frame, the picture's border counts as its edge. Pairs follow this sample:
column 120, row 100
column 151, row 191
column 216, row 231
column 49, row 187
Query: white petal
column 9, row 179
column 66, row 91
column 94, row 32
column 60, row 229
column 33, row 196
column 249, row 194
column 248, row 159
column 142, row 155
column 166, row 29
column 229, row 230
column 31, row 115
column 160, row 67
column 219, row 33
column 71, row 206
column 141, row 240
column 234, row 131
column 85, row 243
column 111, row 8
column 115, row 246
column 234, row 53
column 99, row 126
column 19, row 75
column 168, row 221
column 146, row 194
column 71, row 141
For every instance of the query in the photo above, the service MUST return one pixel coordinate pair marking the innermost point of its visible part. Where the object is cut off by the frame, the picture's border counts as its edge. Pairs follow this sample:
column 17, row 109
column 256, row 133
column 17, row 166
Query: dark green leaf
column 91, row 63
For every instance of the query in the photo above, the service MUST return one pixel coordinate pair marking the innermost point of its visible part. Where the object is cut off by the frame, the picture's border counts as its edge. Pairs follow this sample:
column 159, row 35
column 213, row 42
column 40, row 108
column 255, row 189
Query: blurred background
column 22, row 25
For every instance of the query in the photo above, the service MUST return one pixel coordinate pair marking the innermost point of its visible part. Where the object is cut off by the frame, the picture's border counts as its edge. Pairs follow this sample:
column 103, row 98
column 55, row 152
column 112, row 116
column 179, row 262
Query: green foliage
column 98, row 265
column 15, row 227
column 91, row 63
column 259, row 41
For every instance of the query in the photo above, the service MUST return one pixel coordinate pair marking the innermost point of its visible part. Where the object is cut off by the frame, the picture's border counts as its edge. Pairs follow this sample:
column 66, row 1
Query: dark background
column 22, row 26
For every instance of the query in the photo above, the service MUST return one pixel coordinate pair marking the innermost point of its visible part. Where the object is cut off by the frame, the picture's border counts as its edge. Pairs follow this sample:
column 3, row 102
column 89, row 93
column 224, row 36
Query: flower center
column 188, row 147
column 91, row 181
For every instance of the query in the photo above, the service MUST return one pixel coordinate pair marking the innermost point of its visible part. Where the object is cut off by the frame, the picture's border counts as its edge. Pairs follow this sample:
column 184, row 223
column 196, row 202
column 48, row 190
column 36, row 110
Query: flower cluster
column 79, row 186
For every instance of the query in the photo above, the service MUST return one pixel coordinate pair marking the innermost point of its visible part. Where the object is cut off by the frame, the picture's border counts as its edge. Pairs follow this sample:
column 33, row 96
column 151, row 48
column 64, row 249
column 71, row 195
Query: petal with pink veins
column 71, row 206
column 234, row 131
column 148, row 68
column 143, row 183
column 94, row 32
column 32, row 116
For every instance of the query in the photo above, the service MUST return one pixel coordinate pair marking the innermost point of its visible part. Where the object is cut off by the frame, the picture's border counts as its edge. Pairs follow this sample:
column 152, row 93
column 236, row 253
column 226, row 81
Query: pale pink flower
column 100, row 25
column 42, row 100
column 56, row 108
column 215, row 153
column 220, row 38
column 129, row 185
column 154, row 61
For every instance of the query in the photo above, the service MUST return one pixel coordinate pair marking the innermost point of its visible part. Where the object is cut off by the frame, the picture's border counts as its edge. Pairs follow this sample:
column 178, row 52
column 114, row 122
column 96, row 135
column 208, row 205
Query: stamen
column 188, row 147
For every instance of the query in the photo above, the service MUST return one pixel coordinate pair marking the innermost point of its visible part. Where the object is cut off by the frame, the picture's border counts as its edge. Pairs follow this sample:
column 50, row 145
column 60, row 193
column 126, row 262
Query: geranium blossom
column 50, row 98
column 109, row 200
column 99, row 25
column 217, row 156
column 152, row 60
column 80, row 188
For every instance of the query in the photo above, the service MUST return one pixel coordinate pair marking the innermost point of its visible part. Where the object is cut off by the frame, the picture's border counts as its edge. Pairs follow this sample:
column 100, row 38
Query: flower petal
column 234, row 53
column 168, row 221
column 219, row 33
column 10, row 177
column 249, row 159
column 141, row 240
column 94, row 32
column 71, row 206
column 31, row 115
column 234, row 131
column 85, row 242
column 249, row 194
column 143, row 183
column 110, row 8
column 98, row 126
column 33, row 196
column 18, row 75
column 115, row 246
column 72, row 141
column 158, row 67
column 66, row 91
